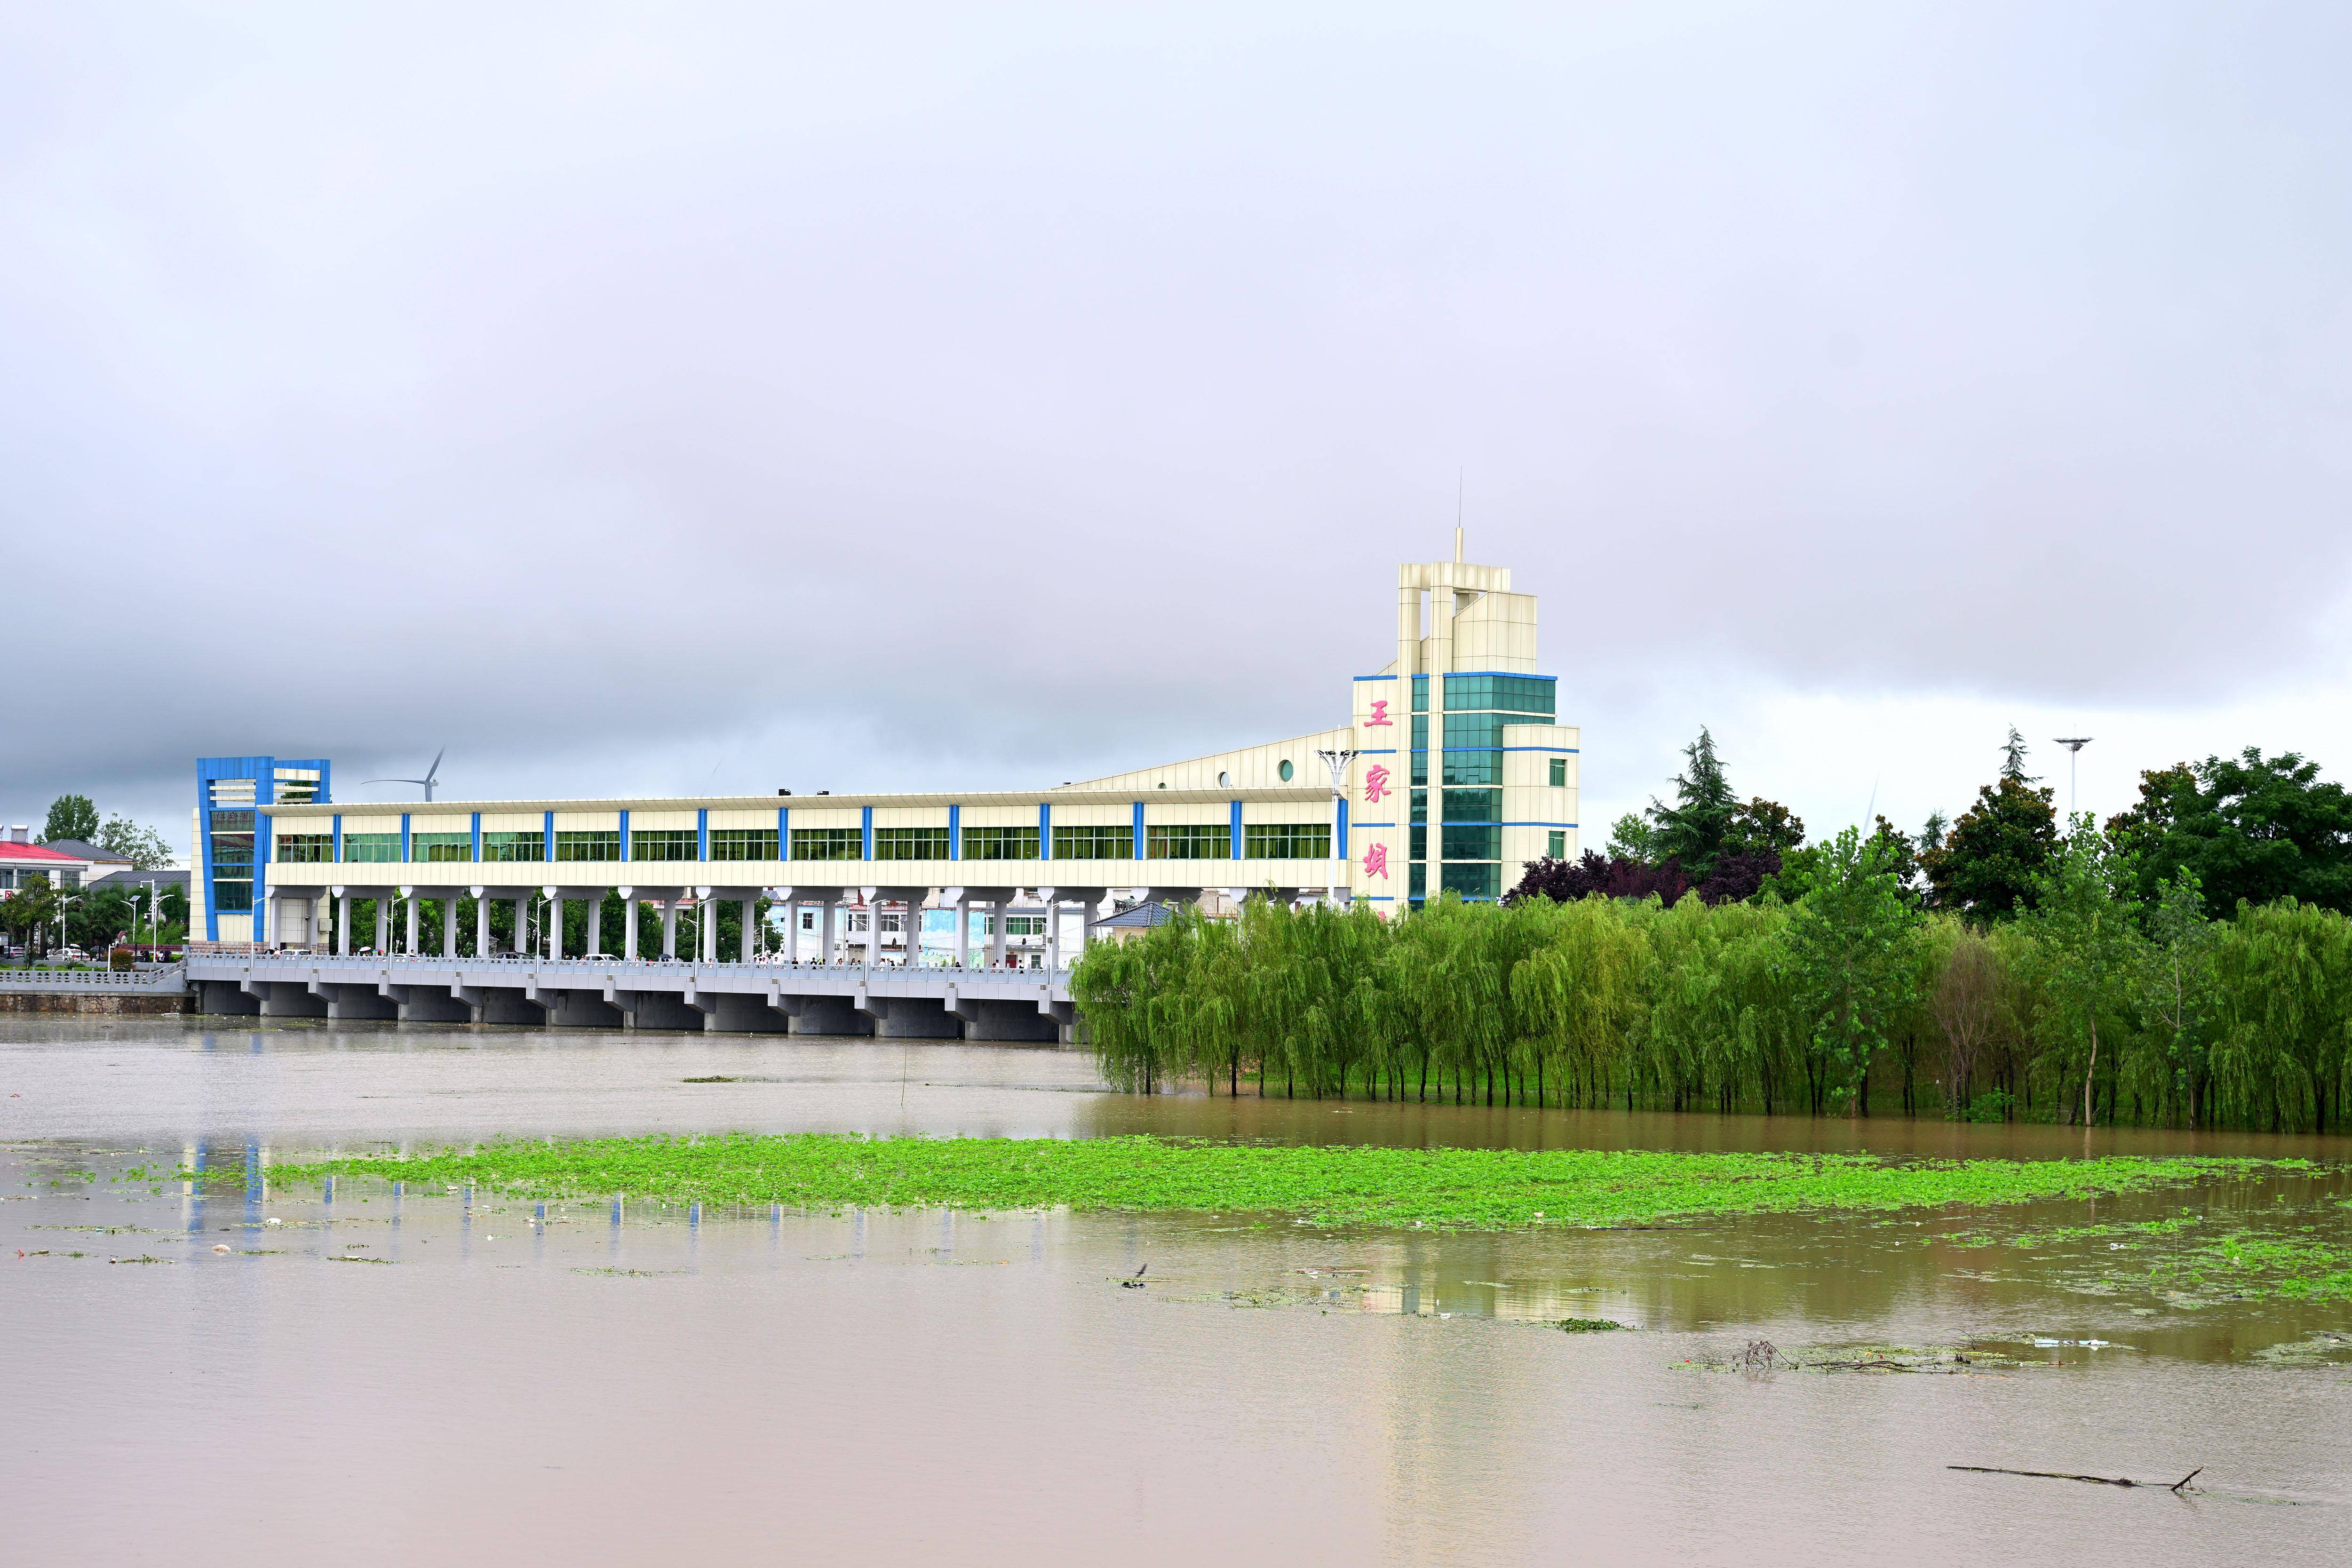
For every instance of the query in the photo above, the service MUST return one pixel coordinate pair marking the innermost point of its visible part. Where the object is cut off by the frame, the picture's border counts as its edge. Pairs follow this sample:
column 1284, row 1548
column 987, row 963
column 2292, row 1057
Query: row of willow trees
column 2090, row 1006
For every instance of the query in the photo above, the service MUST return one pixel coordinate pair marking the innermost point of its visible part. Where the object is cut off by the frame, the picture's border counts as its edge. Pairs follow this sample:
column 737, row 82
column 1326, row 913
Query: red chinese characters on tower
column 1379, row 716
column 1376, row 861
column 1376, row 784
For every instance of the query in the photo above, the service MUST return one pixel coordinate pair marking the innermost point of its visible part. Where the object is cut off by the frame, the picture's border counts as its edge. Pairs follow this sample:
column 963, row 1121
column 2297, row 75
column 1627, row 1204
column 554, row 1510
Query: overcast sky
column 716, row 399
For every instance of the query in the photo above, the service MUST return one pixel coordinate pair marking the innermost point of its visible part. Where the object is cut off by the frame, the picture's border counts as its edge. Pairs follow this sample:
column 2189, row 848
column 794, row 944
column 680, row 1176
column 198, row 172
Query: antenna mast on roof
column 1459, row 480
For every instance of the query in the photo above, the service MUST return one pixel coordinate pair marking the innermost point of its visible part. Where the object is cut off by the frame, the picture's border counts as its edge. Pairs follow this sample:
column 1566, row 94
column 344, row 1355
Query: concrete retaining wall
column 111, row 1003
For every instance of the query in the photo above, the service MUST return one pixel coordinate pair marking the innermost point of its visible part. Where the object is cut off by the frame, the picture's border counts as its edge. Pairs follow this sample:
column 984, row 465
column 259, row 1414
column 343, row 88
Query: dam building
column 1449, row 772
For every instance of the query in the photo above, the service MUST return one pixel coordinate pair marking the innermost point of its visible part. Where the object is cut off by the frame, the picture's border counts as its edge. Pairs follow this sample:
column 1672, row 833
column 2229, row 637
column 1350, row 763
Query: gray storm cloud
column 728, row 397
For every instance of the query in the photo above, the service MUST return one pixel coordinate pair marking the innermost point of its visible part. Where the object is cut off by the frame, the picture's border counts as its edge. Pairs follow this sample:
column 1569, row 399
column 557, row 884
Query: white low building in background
column 1449, row 774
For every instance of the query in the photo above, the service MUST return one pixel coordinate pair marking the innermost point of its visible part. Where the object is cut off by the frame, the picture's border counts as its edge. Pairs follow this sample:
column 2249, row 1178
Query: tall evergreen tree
column 2012, row 759
column 1691, row 831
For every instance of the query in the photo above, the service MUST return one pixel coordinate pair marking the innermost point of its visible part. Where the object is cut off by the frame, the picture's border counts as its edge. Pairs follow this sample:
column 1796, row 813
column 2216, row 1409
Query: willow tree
column 1135, row 996
column 2284, row 1004
column 1581, row 990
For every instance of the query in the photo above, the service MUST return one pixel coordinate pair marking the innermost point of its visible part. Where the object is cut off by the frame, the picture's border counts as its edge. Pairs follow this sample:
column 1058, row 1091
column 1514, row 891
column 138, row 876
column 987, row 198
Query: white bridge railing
column 160, row 977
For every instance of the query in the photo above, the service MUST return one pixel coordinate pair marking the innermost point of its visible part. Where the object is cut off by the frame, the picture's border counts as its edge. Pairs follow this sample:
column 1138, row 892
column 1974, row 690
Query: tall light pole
column 1337, row 759
column 2073, row 744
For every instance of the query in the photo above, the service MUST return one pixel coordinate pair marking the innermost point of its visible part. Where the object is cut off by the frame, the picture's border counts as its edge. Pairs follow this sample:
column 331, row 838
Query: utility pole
column 2073, row 744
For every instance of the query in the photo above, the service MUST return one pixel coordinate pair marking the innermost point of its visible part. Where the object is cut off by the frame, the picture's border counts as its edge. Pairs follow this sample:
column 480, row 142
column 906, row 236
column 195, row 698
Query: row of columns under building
column 832, row 901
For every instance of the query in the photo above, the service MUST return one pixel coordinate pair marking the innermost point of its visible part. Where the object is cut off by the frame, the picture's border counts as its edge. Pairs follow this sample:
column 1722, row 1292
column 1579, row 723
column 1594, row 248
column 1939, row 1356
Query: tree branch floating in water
column 2097, row 1480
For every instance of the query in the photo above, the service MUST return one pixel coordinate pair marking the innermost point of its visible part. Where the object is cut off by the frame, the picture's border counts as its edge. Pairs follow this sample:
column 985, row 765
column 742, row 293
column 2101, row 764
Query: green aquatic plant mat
column 1323, row 1185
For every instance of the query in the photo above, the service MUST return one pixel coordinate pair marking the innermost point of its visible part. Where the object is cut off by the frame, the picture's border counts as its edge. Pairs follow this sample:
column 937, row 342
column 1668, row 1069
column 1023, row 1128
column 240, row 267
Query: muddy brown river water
column 369, row 1375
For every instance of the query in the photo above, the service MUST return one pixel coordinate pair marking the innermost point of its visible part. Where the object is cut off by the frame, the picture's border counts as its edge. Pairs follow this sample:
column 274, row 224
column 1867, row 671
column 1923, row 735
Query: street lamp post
column 2073, row 744
column 1337, row 760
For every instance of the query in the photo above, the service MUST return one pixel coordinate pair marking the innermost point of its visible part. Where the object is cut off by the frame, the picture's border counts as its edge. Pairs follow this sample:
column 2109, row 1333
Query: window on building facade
column 1094, row 844
column 1287, row 840
column 911, row 844
column 1188, row 841
column 1474, row 805
column 233, row 847
column 1473, row 881
column 1515, row 694
column 1559, row 845
column 306, row 848
column 1419, row 850
column 1560, row 772
column 665, row 844
column 1470, row 730
column 372, row 849
column 828, row 844
column 507, row 847
column 1474, row 767
column 441, row 847
column 295, row 786
column 1024, row 925
column 589, row 844
column 742, row 844
column 999, row 844
column 1416, row 881
column 1481, row 843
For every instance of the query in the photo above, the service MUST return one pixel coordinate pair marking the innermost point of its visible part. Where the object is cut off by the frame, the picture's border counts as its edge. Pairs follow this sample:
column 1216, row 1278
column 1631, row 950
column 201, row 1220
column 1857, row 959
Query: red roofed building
column 23, row 862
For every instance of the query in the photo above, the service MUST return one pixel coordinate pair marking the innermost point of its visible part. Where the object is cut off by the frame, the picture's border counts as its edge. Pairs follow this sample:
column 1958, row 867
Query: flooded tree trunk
column 2092, row 1069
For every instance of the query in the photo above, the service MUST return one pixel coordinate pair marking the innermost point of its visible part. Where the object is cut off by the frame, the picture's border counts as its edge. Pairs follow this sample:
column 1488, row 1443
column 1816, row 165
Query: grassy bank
column 1464, row 1188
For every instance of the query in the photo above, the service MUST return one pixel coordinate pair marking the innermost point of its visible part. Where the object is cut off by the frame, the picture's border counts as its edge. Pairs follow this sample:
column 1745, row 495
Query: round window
column 1224, row 781
column 1285, row 770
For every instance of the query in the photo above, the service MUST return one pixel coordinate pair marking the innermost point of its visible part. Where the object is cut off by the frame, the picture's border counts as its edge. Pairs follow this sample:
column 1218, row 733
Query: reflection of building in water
column 1449, row 774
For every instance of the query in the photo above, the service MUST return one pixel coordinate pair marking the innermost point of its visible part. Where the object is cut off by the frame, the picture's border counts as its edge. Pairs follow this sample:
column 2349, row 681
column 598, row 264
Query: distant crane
column 2073, row 744
column 432, row 775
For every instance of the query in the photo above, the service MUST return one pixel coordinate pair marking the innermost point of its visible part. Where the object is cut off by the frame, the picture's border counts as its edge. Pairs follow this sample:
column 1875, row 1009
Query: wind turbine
column 431, row 775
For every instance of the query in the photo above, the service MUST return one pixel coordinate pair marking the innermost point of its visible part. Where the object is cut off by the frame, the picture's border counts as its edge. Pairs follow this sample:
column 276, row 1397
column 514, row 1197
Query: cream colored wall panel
column 1186, row 814
column 498, row 821
column 592, row 822
column 1093, row 816
column 1250, row 767
column 910, row 816
column 375, row 823
column 998, row 817
column 642, row 820
column 719, row 819
column 421, row 824
column 824, row 816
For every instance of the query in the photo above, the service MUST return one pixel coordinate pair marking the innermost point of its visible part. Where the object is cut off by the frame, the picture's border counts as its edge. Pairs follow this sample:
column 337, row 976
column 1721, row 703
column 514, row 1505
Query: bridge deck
column 772, row 998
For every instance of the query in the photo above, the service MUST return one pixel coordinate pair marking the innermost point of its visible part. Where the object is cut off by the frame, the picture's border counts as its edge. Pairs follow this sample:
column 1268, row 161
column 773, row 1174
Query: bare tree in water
column 1966, row 1003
